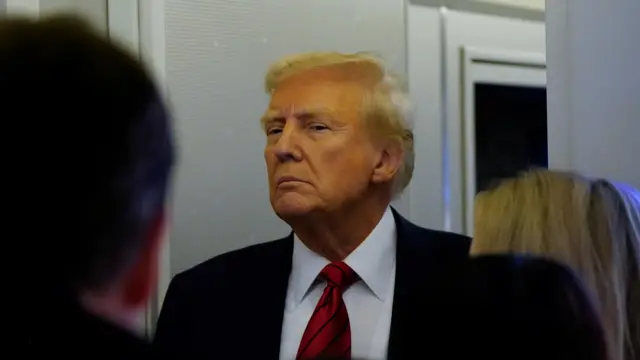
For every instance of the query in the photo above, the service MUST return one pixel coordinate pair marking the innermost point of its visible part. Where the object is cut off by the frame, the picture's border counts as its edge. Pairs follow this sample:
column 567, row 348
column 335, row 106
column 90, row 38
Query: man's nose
column 287, row 147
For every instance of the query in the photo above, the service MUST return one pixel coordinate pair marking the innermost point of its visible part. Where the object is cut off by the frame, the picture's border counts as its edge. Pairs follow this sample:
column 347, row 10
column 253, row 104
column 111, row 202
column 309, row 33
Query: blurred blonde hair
column 387, row 106
column 591, row 225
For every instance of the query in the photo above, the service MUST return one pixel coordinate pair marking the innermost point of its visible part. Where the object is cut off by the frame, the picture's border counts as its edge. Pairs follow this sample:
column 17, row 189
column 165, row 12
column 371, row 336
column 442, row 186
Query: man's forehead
column 315, row 99
column 285, row 110
column 292, row 110
column 355, row 73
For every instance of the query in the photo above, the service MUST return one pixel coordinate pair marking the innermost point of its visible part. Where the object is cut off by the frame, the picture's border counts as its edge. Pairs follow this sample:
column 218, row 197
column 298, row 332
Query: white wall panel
column 95, row 11
column 594, row 82
column 22, row 7
column 424, row 51
column 527, row 4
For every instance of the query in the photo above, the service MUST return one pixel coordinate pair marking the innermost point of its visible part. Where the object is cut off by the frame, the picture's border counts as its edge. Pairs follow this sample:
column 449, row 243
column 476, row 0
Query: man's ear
column 389, row 163
column 142, row 278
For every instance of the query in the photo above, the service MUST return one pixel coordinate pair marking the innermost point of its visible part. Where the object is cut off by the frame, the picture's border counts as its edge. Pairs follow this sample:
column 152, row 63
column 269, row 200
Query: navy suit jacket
column 232, row 306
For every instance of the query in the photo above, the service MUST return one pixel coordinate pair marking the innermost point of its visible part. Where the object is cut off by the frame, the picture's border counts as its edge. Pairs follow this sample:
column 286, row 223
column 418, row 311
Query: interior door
column 504, row 118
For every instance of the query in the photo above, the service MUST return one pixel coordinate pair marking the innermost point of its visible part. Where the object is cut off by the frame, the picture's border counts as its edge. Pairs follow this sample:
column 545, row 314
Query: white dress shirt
column 369, row 301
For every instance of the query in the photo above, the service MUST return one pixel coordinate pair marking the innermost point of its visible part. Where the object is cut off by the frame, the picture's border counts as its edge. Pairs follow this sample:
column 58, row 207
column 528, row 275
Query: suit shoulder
column 454, row 238
column 443, row 239
column 230, row 262
column 430, row 237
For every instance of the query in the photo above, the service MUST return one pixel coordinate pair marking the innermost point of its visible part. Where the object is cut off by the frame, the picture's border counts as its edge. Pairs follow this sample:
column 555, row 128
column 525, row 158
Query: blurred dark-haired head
column 89, row 162
column 509, row 307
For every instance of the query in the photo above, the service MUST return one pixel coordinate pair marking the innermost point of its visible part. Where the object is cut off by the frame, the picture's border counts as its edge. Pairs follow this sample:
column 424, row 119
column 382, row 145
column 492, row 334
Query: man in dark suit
column 339, row 147
column 88, row 179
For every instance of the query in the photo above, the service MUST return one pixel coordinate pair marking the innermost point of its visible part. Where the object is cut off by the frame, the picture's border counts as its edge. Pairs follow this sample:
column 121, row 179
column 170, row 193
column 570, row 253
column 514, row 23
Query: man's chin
column 289, row 209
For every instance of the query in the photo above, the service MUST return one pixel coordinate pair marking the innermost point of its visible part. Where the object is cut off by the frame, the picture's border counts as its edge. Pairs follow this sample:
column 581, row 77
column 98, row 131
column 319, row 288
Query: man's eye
column 274, row 131
column 318, row 127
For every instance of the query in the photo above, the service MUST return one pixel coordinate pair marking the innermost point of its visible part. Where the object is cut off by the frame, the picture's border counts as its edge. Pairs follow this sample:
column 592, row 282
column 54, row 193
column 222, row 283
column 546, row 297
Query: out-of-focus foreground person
column 339, row 148
column 87, row 185
column 591, row 225
column 505, row 307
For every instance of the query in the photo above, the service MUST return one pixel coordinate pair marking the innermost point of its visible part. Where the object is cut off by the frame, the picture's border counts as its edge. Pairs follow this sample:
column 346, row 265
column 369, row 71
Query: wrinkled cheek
column 337, row 164
column 345, row 173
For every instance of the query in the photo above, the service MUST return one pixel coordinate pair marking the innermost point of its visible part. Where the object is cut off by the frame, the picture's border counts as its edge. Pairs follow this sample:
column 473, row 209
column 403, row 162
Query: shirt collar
column 373, row 261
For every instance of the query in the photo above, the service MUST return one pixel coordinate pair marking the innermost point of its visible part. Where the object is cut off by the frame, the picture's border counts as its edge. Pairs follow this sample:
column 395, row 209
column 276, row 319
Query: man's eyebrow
column 270, row 115
column 304, row 114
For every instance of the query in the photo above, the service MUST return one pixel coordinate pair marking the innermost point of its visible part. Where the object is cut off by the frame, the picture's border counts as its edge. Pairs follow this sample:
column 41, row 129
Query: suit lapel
column 414, row 266
column 265, row 315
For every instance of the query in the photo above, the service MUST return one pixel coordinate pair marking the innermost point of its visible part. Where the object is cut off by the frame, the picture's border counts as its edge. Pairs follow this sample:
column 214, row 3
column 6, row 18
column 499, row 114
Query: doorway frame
column 494, row 66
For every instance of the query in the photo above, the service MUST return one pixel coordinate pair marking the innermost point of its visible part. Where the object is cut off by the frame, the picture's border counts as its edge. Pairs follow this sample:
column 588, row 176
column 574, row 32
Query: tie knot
column 339, row 274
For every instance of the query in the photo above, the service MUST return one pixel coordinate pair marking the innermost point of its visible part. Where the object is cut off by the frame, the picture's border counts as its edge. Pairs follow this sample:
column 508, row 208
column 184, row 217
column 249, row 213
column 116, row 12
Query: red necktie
column 328, row 334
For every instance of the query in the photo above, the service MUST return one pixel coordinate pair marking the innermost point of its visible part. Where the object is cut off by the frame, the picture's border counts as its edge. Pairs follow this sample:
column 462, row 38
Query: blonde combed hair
column 387, row 106
column 590, row 225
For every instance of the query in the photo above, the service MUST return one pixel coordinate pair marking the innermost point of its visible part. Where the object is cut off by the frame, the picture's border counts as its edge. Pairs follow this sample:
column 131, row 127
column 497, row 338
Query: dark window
column 511, row 131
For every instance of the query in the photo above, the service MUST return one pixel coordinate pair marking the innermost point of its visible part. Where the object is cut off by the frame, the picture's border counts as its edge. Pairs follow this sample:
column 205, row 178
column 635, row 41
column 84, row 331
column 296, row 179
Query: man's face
column 319, row 154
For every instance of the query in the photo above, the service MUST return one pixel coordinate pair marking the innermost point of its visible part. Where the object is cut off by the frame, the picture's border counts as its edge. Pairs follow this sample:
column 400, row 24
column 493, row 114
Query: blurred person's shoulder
column 65, row 329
